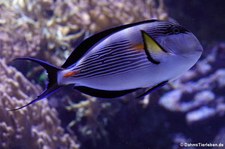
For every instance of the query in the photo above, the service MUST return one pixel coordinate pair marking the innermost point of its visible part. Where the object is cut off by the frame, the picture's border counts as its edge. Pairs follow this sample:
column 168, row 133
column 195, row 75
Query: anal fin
column 103, row 93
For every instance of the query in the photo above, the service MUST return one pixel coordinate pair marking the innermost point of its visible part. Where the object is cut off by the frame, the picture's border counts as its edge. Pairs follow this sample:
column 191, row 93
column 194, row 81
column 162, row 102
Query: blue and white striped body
column 117, row 63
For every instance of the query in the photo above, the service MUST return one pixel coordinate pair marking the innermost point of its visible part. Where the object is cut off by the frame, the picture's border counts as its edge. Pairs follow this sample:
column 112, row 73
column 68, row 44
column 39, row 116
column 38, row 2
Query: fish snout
column 199, row 49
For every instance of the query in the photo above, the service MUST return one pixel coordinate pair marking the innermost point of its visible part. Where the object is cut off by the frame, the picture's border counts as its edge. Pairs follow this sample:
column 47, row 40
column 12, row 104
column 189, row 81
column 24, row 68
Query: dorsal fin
column 91, row 41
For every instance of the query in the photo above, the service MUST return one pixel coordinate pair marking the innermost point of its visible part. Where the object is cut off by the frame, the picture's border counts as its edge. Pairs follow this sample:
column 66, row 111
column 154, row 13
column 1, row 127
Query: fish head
column 181, row 49
column 181, row 42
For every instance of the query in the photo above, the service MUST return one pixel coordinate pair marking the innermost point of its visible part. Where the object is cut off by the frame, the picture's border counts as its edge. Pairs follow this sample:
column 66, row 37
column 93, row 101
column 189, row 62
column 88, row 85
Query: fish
column 123, row 59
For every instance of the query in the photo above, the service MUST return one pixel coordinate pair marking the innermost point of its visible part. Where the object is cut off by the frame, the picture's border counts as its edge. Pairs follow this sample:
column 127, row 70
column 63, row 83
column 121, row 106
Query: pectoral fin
column 152, row 48
column 153, row 89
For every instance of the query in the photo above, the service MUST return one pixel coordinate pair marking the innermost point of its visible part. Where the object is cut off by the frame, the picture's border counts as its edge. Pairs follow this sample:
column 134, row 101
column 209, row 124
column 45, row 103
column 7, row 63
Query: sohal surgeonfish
column 123, row 59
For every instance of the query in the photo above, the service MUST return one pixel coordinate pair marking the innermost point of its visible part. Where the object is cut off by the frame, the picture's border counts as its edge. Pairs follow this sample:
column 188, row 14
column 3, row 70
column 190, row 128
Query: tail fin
column 52, row 77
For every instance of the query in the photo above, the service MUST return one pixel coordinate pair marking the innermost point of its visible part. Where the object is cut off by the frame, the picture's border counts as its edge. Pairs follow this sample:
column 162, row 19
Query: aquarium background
column 189, row 111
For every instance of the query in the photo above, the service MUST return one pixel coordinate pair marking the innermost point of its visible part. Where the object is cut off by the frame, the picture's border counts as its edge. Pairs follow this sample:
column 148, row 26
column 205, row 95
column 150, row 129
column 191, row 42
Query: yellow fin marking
column 152, row 45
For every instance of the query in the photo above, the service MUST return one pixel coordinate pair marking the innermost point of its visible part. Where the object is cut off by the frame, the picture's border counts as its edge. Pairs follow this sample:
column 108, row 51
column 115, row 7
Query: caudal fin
column 52, row 79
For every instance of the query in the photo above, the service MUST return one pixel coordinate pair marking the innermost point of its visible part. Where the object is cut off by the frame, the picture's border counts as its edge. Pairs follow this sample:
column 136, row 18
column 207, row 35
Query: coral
column 49, row 28
column 15, row 39
column 199, row 93
column 92, row 116
column 34, row 127
column 98, row 15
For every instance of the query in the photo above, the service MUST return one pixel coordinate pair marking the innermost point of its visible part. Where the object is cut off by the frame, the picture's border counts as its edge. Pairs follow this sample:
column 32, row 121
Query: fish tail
column 52, row 79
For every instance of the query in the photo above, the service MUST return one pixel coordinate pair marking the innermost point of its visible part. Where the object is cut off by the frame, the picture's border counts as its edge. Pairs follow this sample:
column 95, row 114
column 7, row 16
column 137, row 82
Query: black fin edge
column 46, row 93
column 102, row 93
column 91, row 41
column 51, row 69
column 152, row 89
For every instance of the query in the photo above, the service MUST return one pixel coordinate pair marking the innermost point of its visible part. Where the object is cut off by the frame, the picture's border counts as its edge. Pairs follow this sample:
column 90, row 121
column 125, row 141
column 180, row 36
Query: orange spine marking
column 139, row 47
column 70, row 74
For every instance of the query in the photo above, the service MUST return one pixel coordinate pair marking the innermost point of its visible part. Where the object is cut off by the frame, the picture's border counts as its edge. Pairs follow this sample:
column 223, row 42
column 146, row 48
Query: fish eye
column 175, row 30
